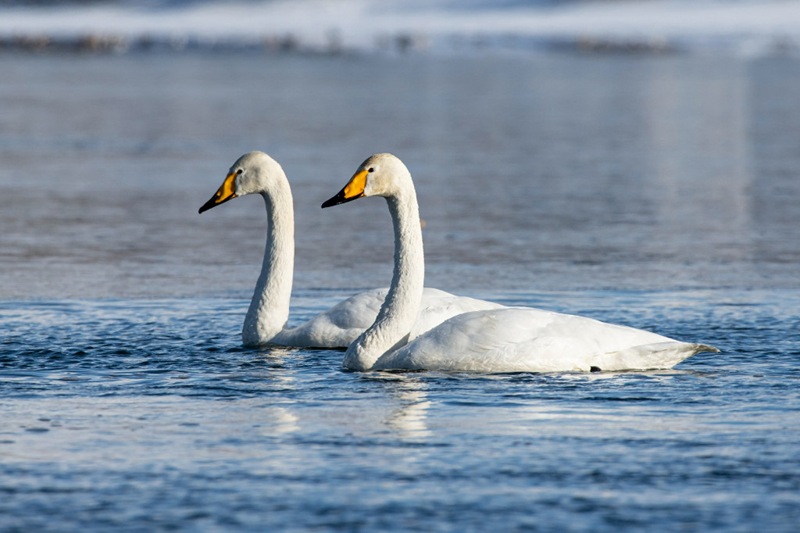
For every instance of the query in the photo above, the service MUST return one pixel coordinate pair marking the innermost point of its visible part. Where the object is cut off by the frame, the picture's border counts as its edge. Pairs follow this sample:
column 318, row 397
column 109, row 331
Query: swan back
column 534, row 340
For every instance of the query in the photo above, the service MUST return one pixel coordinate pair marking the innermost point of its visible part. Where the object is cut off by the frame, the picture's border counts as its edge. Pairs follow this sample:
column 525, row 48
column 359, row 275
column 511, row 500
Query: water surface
column 654, row 192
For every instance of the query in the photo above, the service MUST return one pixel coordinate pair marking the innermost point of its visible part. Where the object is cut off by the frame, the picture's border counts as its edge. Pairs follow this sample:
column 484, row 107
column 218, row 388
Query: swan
column 505, row 339
column 268, row 314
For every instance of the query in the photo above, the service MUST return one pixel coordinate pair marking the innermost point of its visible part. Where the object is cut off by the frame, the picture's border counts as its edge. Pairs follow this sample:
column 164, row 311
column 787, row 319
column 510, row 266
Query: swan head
column 379, row 175
column 254, row 172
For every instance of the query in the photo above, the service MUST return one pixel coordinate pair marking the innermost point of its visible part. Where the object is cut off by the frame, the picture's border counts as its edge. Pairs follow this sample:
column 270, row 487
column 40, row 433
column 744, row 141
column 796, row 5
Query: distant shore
column 400, row 43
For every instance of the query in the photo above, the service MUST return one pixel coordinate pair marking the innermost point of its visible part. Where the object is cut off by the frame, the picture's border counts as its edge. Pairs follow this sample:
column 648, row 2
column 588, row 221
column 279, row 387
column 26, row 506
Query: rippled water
column 119, row 413
column 659, row 193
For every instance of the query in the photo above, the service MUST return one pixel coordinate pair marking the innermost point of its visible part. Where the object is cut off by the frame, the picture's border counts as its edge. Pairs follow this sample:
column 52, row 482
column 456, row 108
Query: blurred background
column 635, row 162
column 555, row 144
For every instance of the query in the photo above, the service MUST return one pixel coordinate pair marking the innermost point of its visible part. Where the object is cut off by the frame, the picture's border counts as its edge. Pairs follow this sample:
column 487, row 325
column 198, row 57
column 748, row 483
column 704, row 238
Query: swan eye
column 239, row 172
column 371, row 169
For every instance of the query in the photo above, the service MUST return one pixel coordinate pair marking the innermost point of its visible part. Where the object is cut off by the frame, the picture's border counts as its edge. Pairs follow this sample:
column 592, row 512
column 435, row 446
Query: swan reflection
column 409, row 419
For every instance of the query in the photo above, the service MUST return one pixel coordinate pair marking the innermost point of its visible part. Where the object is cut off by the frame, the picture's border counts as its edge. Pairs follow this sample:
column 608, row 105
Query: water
column 656, row 192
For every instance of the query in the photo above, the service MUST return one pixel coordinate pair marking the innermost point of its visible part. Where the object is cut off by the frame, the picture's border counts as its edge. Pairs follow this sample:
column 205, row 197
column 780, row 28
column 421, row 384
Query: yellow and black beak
column 353, row 190
column 223, row 194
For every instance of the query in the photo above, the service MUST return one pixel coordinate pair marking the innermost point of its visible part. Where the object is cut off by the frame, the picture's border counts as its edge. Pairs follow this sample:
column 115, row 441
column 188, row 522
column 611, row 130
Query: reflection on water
column 154, row 406
column 655, row 192
column 702, row 167
column 408, row 420
column 533, row 173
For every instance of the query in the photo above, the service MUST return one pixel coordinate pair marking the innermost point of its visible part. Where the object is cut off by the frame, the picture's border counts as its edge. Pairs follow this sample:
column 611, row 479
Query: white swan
column 518, row 339
column 266, row 319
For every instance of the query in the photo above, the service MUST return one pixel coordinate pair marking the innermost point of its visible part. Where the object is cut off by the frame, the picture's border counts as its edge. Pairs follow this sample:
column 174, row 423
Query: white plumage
column 268, row 314
column 506, row 339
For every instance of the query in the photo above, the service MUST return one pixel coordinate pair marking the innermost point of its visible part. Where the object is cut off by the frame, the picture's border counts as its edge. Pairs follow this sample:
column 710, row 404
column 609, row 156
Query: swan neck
column 269, row 308
column 400, row 309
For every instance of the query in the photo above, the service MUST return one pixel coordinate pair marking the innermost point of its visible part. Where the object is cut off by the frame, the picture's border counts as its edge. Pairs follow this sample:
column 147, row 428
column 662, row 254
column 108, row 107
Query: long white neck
column 269, row 308
column 401, row 307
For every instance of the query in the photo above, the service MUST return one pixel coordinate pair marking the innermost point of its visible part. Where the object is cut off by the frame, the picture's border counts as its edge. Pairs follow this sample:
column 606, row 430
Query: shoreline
column 397, row 44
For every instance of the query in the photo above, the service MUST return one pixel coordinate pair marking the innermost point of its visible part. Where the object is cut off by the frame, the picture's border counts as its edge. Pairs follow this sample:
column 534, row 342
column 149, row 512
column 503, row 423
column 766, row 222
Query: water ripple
column 113, row 407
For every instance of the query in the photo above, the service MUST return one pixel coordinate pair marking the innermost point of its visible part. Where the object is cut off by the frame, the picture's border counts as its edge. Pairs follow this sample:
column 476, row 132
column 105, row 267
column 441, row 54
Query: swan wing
column 340, row 325
column 656, row 356
column 534, row 340
column 439, row 306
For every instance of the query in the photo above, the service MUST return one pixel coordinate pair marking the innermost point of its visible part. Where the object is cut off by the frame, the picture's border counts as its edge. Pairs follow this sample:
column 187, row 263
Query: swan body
column 268, row 313
column 533, row 340
column 339, row 326
column 505, row 339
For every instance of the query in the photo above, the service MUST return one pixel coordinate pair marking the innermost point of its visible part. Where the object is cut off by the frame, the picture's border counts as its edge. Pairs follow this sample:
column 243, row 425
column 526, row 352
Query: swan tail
column 700, row 348
column 657, row 356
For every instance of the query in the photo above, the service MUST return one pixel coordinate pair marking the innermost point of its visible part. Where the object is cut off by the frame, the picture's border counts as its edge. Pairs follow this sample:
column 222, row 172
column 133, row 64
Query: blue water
column 655, row 192
column 122, row 414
